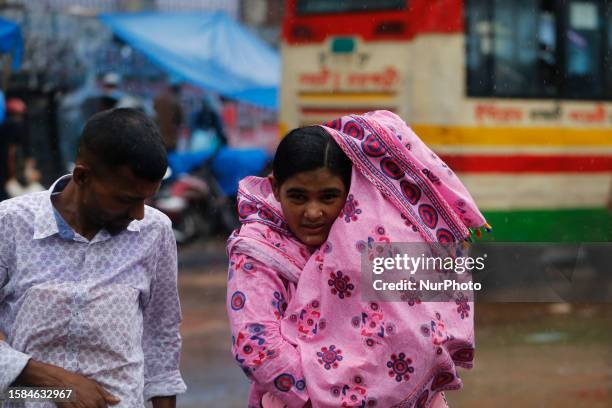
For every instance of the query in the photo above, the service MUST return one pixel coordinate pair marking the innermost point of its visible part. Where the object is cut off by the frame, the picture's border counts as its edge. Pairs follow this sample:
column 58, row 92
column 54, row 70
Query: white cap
column 111, row 79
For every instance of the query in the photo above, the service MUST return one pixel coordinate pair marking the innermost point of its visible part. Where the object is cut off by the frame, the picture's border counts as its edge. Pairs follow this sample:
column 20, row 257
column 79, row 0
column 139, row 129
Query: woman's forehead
column 319, row 179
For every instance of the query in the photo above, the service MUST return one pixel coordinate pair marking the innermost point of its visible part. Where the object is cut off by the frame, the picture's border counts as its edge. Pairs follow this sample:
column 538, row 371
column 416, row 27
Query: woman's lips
column 314, row 229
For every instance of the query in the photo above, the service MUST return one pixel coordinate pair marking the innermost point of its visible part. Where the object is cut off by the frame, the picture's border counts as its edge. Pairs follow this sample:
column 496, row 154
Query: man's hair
column 124, row 137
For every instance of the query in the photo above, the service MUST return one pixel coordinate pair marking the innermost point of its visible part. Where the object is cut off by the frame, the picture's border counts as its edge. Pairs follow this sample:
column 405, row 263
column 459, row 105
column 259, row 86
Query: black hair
column 309, row 148
column 124, row 136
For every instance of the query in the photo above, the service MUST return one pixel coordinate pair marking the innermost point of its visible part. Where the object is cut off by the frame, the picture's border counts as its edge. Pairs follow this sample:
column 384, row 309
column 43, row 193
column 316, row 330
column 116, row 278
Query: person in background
column 88, row 275
column 23, row 176
column 207, row 126
column 6, row 145
column 169, row 113
column 107, row 97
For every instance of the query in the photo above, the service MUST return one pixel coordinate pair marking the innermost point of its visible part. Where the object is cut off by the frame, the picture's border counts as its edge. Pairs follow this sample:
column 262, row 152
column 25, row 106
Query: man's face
column 311, row 202
column 114, row 198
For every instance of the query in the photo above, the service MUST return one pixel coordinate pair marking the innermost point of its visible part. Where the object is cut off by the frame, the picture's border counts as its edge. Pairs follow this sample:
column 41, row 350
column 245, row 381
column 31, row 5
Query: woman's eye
column 329, row 198
column 297, row 197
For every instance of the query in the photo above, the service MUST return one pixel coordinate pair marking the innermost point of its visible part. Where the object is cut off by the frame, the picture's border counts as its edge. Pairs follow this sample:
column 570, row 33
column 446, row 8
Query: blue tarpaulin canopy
column 209, row 50
column 11, row 41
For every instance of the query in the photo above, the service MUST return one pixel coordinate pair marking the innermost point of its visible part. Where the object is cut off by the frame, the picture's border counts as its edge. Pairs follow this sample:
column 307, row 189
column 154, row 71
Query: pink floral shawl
column 356, row 353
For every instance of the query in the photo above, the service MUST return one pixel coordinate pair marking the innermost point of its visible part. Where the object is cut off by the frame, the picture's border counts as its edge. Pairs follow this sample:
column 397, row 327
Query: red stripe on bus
column 528, row 163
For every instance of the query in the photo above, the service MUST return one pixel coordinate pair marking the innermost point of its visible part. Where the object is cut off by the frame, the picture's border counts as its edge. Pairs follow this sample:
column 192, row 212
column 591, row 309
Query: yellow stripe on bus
column 513, row 136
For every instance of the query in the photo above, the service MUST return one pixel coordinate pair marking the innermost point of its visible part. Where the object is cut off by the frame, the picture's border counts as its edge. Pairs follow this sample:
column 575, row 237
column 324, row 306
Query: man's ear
column 81, row 174
column 275, row 187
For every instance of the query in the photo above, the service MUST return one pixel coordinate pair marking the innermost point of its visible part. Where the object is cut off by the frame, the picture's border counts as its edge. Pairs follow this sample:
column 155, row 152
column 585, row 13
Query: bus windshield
column 335, row 6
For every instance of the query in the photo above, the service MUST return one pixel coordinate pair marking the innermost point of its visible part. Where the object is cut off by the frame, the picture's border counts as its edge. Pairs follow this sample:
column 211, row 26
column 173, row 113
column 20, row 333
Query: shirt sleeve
column 162, row 315
column 12, row 362
column 257, row 299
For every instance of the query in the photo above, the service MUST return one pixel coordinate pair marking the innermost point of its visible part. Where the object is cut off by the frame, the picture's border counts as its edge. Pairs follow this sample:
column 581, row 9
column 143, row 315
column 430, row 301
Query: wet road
column 528, row 355
column 213, row 378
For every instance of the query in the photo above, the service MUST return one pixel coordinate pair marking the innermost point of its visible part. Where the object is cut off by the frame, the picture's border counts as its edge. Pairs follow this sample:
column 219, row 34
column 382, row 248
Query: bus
column 515, row 95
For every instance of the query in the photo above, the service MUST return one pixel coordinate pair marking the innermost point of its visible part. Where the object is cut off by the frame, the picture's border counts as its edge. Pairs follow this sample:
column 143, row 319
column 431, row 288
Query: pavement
column 212, row 376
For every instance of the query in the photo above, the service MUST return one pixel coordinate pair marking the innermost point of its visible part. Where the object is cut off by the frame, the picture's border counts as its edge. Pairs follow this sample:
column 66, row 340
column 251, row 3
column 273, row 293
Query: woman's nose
column 313, row 212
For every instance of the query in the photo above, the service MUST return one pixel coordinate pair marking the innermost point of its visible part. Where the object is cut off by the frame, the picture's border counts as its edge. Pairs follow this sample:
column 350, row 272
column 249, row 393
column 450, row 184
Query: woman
column 301, row 331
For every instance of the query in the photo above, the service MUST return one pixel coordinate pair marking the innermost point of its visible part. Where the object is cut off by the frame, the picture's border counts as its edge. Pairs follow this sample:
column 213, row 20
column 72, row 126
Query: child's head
column 311, row 179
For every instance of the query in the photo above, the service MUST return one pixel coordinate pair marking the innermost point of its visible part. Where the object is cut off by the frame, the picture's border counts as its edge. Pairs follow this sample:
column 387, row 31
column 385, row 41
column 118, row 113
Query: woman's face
column 311, row 202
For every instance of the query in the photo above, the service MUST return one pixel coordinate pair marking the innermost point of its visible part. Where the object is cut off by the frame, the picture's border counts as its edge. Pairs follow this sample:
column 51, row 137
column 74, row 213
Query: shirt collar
column 48, row 220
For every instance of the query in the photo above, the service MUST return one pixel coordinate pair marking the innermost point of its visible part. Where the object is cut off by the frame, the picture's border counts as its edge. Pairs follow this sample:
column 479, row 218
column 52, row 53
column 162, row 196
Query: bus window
column 539, row 49
column 515, row 47
column 511, row 48
column 479, row 42
column 608, row 54
column 583, row 71
column 335, row 6
column 547, row 50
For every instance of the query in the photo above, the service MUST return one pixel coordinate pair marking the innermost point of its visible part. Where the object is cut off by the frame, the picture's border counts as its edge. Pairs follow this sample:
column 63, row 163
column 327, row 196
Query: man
column 88, row 293
column 169, row 115
column 23, row 176
column 207, row 120
column 9, row 142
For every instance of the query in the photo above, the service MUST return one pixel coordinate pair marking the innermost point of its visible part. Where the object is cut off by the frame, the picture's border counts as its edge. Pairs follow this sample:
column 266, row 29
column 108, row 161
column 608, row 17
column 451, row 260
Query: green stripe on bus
column 581, row 225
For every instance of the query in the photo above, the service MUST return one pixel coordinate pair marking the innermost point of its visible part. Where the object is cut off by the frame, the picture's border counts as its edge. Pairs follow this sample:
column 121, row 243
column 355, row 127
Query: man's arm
column 161, row 342
column 87, row 393
column 12, row 362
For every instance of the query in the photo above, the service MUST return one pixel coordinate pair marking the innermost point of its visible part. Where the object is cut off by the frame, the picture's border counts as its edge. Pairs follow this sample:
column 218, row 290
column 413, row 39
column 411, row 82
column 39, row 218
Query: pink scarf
column 355, row 353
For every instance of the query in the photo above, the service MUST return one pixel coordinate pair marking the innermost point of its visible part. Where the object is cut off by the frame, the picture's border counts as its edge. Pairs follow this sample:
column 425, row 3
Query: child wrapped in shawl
column 301, row 331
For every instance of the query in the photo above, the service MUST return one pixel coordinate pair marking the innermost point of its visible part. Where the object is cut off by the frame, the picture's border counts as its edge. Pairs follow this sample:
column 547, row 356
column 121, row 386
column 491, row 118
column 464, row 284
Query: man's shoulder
column 155, row 218
column 26, row 205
